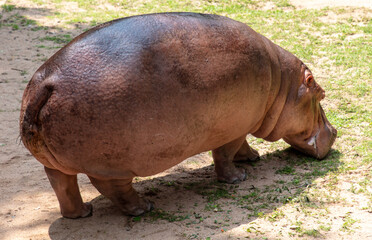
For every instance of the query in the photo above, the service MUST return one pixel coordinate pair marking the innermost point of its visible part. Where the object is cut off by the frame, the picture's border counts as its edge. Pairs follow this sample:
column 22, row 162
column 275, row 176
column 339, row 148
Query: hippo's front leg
column 68, row 194
column 223, row 160
column 122, row 194
column 246, row 153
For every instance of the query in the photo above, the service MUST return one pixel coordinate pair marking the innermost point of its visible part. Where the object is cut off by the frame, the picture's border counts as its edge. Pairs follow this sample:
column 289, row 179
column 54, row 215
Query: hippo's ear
column 309, row 81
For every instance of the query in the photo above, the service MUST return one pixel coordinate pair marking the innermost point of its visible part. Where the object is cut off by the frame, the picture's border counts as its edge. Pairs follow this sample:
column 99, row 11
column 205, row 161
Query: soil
column 30, row 210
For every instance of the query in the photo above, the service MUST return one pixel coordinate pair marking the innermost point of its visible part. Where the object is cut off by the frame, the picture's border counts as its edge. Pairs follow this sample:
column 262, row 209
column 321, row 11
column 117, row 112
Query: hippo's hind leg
column 68, row 194
column 223, row 160
column 246, row 153
column 122, row 194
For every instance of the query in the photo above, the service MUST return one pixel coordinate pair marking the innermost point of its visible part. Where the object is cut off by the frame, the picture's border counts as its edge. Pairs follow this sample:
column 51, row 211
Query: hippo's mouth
column 319, row 144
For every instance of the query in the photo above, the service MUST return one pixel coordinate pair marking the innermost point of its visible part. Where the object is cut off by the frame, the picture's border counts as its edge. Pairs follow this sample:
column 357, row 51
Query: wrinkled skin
column 136, row 96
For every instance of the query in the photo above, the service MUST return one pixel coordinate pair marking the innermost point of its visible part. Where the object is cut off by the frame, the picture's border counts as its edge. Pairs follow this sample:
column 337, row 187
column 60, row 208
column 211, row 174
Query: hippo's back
column 140, row 94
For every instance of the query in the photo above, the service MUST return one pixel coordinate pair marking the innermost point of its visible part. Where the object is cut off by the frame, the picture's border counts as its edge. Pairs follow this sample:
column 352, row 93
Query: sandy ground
column 29, row 208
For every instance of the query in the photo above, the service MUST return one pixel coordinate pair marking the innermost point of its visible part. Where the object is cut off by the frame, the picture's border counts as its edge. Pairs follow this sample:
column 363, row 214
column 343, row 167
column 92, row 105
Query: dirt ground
column 29, row 208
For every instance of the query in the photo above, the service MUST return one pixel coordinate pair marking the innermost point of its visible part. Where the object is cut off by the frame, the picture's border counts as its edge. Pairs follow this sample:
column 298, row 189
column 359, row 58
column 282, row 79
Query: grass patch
column 312, row 233
column 157, row 214
column 8, row 7
column 288, row 170
column 348, row 224
column 59, row 39
column 16, row 21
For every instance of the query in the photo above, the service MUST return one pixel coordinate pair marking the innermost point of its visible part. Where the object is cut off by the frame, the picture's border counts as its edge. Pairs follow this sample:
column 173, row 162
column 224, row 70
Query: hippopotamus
column 138, row 95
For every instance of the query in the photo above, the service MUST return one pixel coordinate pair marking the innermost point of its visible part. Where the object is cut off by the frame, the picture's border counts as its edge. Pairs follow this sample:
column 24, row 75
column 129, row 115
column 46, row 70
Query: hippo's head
column 309, row 130
column 302, row 122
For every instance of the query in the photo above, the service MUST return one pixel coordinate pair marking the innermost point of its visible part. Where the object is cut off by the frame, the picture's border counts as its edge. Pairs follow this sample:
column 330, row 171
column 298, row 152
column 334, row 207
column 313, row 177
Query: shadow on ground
column 188, row 201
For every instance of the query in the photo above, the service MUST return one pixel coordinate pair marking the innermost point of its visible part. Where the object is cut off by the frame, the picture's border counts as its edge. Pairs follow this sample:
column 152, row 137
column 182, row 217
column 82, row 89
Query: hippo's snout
column 320, row 142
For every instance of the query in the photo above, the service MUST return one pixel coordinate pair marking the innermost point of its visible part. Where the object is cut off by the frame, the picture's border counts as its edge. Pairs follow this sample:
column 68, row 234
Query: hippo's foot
column 223, row 160
column 139, row 208
column 122, row 194
column 68, row 194
column 246, row 153
column 85, row 211
column 231, row 174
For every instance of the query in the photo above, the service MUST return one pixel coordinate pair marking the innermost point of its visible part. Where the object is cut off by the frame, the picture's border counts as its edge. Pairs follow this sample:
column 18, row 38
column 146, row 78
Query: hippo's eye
column 309, row 81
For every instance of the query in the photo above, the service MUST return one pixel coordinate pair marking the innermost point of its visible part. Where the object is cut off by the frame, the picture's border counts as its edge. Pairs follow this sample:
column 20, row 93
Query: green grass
column 157, row 214
column 312, row 233
column 348, row 223
column 59, row 39
column 8, row 8
column 16, row 21
column 286, row 170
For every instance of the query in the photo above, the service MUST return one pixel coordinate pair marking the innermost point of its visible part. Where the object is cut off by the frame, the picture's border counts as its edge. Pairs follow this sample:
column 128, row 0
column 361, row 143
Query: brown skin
column 136, row 96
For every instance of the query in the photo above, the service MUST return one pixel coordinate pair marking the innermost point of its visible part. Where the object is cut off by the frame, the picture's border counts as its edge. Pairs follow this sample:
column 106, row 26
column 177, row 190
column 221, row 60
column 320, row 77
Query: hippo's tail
column 34, row 98
column 30, row 112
